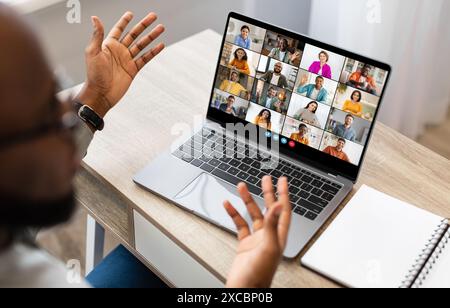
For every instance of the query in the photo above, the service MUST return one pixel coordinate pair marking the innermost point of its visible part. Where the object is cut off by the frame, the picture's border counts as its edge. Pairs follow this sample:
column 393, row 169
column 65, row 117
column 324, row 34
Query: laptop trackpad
column 206, row 194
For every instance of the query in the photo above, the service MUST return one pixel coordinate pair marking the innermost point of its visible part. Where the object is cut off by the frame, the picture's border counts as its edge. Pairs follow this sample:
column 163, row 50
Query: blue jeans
column 120, row 269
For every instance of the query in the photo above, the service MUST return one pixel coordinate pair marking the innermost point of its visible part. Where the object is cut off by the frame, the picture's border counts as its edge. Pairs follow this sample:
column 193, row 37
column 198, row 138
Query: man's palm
column 260, row 252
column 112, row 70
column 112, row 64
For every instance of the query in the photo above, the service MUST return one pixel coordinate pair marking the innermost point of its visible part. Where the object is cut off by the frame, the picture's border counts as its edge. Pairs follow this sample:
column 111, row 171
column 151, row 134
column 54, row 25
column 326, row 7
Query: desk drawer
column 169, row 259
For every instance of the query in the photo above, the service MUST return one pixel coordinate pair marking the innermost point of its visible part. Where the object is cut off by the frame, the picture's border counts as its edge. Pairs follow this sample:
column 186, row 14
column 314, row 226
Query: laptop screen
column 317, row 101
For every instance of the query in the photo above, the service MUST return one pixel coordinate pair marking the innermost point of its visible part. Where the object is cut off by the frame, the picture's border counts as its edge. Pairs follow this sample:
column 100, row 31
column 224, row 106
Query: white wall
column 411, row 35
column 65, row 42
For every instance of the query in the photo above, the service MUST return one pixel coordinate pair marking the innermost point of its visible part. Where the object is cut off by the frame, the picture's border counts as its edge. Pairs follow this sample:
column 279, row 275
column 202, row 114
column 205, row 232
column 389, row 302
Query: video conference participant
column 308, row 114
column 228, row 107
column 346, row 130
column 275, row 77
column 233, row 86
column 243, row 40
column 264, row 119
column 321, row 67
column 313, row 91
column 354, row 105
column 280, row 105
column 270, row 99
column 363, row 81
column 302, row 135
column 239, row 62
column 282, row 53
column 338, row 150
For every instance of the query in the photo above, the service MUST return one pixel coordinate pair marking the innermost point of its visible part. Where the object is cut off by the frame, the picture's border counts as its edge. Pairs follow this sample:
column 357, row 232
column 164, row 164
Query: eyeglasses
column 67, row 121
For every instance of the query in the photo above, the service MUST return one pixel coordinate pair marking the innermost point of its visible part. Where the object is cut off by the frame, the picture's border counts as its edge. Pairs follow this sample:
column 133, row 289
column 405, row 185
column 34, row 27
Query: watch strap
column 88, row 115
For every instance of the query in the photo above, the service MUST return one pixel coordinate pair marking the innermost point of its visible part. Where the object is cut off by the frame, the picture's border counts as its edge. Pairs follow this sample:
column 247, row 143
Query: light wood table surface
column 175, row 89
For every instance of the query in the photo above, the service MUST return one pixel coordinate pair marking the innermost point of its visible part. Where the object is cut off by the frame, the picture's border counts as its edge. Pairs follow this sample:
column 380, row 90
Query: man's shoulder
column 28, row 267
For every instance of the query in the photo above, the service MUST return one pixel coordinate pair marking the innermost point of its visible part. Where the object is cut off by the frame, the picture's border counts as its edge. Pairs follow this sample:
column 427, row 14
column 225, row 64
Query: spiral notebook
column 379, row 241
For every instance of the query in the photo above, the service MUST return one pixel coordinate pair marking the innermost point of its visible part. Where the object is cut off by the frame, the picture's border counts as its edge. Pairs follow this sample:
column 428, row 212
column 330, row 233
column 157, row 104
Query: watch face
column 90, row 116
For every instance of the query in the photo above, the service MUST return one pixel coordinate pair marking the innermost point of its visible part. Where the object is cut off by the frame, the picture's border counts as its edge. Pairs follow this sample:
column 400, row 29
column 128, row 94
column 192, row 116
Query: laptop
column 282, row 104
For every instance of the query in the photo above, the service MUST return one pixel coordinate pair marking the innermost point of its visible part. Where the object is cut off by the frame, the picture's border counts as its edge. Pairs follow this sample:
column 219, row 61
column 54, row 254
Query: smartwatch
column 89, row 116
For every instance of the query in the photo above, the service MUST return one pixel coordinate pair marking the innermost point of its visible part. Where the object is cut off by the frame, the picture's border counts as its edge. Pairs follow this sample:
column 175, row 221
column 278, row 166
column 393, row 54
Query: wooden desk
column 175, row 89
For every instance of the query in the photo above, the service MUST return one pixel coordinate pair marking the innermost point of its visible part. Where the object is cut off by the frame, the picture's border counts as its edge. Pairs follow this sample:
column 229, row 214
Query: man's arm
column 265, row 77
column 112, row 65
column 284, row 83
column 223, row 85
column 83, row 139
column 336, row 131
column 353, row 81
column 272, row 53
column 324, row 95
column 303, row 89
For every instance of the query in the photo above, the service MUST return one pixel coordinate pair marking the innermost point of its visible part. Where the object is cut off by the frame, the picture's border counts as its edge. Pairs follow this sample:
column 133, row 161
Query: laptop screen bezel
column 303, row 153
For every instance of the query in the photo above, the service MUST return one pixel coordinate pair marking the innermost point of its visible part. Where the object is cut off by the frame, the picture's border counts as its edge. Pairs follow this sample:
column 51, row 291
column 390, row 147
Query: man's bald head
column 26, row 83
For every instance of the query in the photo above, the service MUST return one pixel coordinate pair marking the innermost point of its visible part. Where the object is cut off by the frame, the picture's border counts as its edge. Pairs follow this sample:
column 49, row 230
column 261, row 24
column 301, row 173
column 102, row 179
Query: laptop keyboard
column 235, row 162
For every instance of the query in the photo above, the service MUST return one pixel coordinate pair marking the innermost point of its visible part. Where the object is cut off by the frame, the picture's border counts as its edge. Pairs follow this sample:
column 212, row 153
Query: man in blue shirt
column 346, row 130
column 314, row 91
column 243, row 40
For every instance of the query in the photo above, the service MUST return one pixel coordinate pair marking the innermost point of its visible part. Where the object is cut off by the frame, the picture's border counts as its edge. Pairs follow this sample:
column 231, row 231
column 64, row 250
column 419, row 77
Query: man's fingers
column 147, row 40
column 283, row 190
column 147, row 57
column 271, row 225
column 120, row 26
column 267, row 187
column 95, row 46
column 286, row 212
column 252, row 207
column 137, row 30
column 284, row 225
column 241, row 224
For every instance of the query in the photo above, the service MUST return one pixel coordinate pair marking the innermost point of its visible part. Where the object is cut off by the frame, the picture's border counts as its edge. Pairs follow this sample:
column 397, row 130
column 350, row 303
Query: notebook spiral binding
column 428, row 257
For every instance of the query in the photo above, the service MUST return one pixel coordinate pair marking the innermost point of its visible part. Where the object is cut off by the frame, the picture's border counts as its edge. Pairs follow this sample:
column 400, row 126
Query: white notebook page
column 373, row 242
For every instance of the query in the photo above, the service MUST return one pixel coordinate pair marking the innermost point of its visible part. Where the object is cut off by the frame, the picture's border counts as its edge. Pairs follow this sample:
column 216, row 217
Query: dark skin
column 25, row 77
column 340, row 145
column 26, row 90
column 365, row 71
column 27, row 87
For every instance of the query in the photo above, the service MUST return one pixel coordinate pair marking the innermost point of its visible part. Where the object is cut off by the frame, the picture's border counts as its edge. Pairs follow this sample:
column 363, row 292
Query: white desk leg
column 95, row 243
